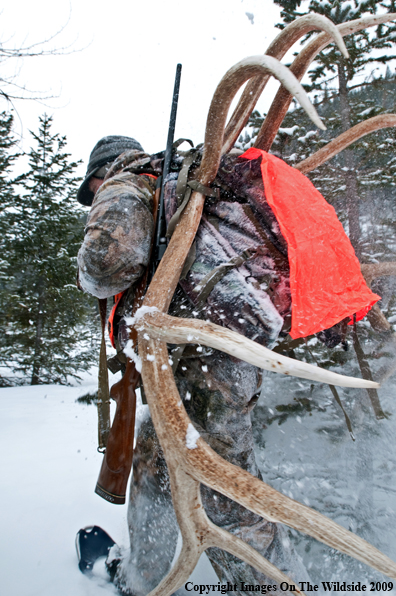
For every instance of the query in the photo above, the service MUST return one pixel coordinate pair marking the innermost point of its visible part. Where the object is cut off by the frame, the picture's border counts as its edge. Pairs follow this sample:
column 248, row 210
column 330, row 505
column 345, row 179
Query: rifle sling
column 184, row 190
column 103, row 384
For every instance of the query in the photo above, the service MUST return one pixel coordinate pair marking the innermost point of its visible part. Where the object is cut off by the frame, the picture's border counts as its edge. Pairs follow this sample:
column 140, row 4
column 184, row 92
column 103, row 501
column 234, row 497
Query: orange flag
column 325, row 279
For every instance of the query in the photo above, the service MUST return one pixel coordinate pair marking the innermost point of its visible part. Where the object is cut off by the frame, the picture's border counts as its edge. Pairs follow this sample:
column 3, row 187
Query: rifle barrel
column 160, row 241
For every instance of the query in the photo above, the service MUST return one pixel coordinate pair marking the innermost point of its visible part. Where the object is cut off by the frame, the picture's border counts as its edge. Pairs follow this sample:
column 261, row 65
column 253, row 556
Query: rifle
column 117, row 459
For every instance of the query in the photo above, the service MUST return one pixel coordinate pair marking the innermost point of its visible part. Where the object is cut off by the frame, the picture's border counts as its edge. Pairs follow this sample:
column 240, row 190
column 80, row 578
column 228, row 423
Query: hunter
column 249, row 294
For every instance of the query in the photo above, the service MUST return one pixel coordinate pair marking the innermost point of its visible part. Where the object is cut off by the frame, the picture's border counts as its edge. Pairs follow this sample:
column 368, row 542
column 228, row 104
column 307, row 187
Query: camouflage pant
column 218, row 393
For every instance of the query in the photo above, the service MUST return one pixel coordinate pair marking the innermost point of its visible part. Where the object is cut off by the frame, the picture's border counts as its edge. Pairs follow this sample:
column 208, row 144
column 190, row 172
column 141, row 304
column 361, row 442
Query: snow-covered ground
column 305, row 451
column 49, row 467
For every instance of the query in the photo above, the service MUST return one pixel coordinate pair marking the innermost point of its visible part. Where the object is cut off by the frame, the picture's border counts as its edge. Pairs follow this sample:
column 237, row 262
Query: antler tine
column 344, row 140
column 191, row 331
column 371, row 271
column 278, row 48
column 200, row 533
column 179, row 574
column 283, row 98
column 295, row 30
column 193, row 529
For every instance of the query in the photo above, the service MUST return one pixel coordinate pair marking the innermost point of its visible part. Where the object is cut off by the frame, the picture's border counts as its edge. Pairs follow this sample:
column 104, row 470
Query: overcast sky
column 121, row 79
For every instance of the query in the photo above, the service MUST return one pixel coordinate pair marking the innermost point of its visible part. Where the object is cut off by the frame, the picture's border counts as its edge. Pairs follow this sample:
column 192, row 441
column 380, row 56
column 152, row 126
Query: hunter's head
column 102, row 156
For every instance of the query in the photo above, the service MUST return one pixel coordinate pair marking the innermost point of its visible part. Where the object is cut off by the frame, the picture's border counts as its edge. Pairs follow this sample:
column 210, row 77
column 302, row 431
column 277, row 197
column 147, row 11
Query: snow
column 50, row 465
column 309, row 135
column 367, row 112
column 289, row 131
column 130, row 352
column 192, row 437
column 49, row 468
column 48, row 481
column 250, row 16
column 143, row 310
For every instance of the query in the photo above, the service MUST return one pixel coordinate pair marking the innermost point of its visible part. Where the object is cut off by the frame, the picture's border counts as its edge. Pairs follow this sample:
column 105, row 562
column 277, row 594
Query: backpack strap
column 184, row 190
column 206, row 285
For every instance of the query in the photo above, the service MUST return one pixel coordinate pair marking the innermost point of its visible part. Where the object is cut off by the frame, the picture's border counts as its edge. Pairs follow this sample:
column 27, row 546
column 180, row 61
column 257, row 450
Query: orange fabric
column 326, row 283
column 110, row 322
column 151, row 175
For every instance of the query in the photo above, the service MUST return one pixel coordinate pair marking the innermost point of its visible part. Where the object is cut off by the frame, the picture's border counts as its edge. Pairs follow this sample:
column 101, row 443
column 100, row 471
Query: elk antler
column 197, row 463
column 188, row 466
column 278, row 48
column 283, row 98
column 344, row 140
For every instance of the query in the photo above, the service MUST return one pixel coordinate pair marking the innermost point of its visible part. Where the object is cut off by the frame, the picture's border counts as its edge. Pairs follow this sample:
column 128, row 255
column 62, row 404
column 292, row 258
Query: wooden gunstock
column 117, row 460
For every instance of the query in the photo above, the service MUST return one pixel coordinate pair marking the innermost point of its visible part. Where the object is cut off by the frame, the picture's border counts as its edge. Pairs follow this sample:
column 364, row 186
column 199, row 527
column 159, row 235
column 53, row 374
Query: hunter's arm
column 118, row 234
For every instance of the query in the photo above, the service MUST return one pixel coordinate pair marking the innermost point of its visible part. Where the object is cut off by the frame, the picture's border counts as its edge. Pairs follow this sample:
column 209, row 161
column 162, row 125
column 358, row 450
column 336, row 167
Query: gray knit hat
column 104, row 152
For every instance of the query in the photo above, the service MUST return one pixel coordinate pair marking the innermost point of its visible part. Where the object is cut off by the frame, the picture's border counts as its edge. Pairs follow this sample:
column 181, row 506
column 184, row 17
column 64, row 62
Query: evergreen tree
column 333, row 76
column 7, row 157
column 44, row 340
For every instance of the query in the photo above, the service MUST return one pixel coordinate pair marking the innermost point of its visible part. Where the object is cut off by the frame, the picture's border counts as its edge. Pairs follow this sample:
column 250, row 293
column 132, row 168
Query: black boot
column 91, row 544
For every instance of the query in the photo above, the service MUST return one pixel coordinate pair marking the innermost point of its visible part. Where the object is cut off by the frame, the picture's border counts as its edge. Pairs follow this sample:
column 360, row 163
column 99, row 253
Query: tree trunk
column 351, row 184
column 39, row 331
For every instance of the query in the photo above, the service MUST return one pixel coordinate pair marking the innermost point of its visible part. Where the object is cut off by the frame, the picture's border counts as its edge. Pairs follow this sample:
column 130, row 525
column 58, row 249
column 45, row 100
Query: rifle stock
column 117, row 460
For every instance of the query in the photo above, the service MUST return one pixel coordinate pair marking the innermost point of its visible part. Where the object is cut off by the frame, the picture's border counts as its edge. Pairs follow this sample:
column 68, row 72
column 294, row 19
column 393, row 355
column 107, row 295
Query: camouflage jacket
column 251, row 296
